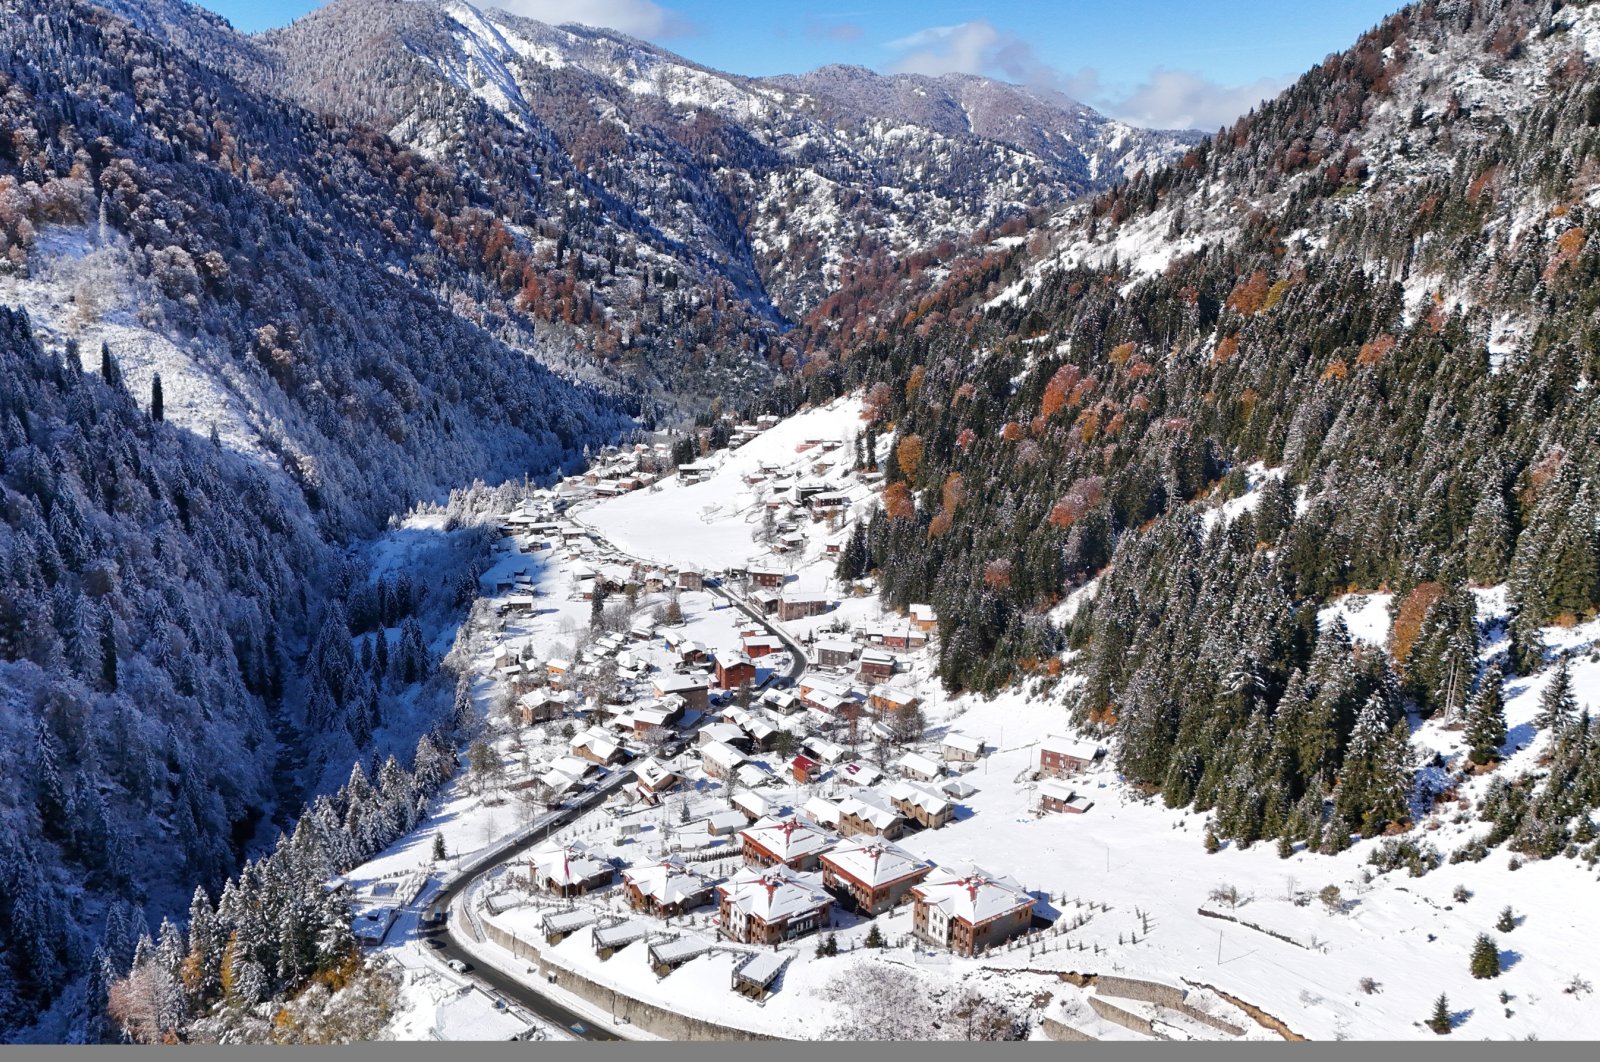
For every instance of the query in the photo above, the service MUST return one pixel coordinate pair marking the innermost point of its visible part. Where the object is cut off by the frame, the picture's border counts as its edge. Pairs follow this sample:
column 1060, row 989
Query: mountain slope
column 775, row 182
column 1365, row 316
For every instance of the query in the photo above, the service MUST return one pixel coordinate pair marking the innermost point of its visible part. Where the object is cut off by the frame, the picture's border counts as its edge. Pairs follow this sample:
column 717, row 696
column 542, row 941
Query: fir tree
column 1440, row 1021
column 157, row 403
column 1557, row 705
column 1486, row 719
column 438, row 848
column 1485, row 957
column 1507, row 920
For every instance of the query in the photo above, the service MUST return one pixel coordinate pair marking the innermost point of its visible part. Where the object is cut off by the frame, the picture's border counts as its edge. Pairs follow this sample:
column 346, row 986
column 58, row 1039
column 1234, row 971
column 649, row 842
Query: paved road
column 522, row 990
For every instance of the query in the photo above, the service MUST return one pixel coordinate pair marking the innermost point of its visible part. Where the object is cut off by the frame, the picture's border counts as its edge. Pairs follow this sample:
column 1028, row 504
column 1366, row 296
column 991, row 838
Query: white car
column 458, row 966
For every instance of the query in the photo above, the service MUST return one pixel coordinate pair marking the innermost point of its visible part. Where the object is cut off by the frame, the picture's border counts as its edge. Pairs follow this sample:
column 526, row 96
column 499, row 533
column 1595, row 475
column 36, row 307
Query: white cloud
column 640, row 18
column 1180, row 99
column 977, row 47
column 1167, row 99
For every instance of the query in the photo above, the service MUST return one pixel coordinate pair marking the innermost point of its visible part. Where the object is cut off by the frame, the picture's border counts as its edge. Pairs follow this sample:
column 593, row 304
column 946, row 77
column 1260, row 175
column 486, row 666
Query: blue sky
column 1153, row 62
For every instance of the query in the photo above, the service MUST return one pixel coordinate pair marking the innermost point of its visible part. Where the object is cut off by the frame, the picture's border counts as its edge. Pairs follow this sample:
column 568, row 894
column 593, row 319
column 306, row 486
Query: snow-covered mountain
column 777, row 183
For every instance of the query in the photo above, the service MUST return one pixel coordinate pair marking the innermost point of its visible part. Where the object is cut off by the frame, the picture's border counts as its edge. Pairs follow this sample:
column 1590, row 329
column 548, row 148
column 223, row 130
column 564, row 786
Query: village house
column 769, row 905
column 961, row 748
column 1058, row 797
column 798, row 606
column 871, row 877
column 725, row 822
column 568, row 869
column 804, row 769
column 768, row 578
column 734, row 669
column 876, row 666
column 782, row 702
column 969, row 910
column 694, row 689
column 834, row 652
column 540, row 706
column 666, row 888
column 824, row 750
column 654, row 778
column 598, row 746
column 753, row 805
column 887, row 700
column 1062, row 756
column 760, row 646
column 868, row 814
column 859, row 772
column 916, row 765
column 719, row 760
column 924, row 619
column 923, row 806
column 725, row 732
column 795, row 842
column 691, row 579
column 766, row 601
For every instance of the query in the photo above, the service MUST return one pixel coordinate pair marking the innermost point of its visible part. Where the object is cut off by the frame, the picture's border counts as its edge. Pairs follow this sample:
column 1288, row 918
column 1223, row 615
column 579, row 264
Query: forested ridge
column 1067, row 416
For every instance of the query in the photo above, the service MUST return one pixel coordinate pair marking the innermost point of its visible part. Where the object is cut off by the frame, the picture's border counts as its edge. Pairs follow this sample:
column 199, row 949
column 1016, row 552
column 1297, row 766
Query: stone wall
column 1163, row 995
column 1147, row 991
column 655, row 1020
column 1125, row 1018
column 1060, row 1031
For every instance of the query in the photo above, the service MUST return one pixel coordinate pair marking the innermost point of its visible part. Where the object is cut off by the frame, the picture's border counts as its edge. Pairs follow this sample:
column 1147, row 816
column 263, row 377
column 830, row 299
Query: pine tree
column 108, row 651
column 1507, row 921
column 1486, row 719
column 157, row 403
column 874, row 937
column 1485, row 957
column 1439, row 1021
column 438, row 848
column 1557, row 705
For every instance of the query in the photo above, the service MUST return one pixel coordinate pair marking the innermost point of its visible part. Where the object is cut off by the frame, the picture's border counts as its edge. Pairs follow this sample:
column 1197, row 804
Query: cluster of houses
column 795, row 873
column 796, row 870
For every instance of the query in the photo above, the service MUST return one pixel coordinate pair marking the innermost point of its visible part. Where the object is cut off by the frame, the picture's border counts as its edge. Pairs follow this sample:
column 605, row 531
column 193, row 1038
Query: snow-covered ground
column 1126, row 883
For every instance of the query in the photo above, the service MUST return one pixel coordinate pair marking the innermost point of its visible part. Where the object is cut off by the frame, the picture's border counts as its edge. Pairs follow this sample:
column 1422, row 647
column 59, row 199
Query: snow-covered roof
column 1056, row 790
column 929, row 801
column 923, row 613
column 471, row 1014
column 1077, row 748
column 669, row 881
column 788, row 838
column 964, row 743
column 567, row 863
column 622, row 933
column 721, row 754
column 727, row 658
column 972, row 894
column 725, row 820
column 917, row 763
column 775, row 892
column 862, row 772
column 724, row 732
column 874, row 863
column 653, row 772
column 666, row 684
column 867, row 808
column 823, row 810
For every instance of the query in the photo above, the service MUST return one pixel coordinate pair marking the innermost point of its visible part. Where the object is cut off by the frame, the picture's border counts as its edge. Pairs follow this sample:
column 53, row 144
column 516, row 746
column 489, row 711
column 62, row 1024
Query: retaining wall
column 658, row 1021
column 1060, row 1031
